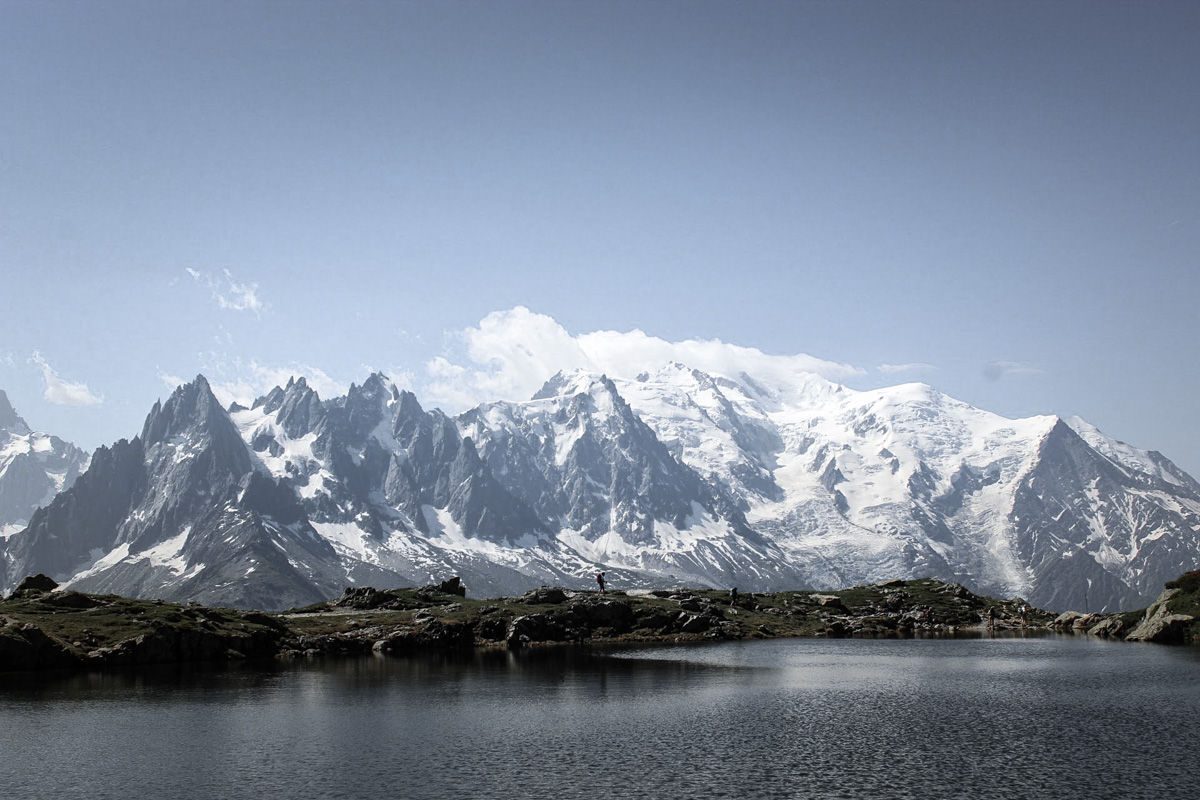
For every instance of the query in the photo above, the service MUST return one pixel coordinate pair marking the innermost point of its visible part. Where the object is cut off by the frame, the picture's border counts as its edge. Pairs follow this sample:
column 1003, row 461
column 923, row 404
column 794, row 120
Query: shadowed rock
column 37, row 583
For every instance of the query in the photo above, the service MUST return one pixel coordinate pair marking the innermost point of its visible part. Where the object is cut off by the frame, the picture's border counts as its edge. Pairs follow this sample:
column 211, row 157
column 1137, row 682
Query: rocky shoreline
column 43, row 628
column 1173, row 618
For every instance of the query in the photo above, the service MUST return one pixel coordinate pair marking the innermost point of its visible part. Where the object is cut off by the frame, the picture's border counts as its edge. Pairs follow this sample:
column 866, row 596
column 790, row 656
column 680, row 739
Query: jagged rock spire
column 10, row 420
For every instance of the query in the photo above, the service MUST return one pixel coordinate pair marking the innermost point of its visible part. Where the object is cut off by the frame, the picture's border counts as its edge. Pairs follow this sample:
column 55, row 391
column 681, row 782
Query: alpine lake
column 1033, row 716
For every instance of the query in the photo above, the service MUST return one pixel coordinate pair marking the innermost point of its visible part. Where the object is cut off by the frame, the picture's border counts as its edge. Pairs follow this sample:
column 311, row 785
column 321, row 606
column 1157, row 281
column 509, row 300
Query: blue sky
column 999, row 199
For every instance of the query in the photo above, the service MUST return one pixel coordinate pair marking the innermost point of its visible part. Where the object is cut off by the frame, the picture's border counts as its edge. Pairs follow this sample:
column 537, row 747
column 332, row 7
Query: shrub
column 1188, row 582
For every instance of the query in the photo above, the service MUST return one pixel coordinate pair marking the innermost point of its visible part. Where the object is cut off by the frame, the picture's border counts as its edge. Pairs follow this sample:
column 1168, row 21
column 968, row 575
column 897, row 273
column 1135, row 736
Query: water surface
column 804, row 718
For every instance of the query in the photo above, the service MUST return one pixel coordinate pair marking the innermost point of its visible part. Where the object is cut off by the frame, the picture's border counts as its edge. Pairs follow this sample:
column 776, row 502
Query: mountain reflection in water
column 1002, row 718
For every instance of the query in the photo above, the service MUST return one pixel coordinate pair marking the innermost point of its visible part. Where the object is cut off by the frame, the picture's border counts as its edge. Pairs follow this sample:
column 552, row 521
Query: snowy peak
column 577, row 383
column 713, row 425
column 34, row 467
column 559, row 384
column 1151, row 464
column 796, row 389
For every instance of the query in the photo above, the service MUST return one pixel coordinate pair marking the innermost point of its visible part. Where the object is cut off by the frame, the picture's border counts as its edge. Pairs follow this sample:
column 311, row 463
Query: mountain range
column 676, row 477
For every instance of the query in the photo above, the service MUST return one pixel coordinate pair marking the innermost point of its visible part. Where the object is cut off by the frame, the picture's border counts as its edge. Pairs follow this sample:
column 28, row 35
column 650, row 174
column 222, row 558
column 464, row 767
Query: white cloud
column 402, row 378
column 996, row 370
column 8, row 359
column 172, row 382
column 64, row 393
column 228, row 293
column 895, row 369
column 247, row 383
column 510, row 354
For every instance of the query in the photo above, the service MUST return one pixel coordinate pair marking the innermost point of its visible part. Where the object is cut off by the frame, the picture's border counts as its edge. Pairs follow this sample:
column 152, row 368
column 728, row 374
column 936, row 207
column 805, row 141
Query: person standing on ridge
column 600, row 580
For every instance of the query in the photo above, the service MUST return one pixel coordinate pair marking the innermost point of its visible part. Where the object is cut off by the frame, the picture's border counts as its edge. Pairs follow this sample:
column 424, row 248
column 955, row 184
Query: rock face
column 675, row 478
column 1159, row 624
column 26, row 647
column 34, row 467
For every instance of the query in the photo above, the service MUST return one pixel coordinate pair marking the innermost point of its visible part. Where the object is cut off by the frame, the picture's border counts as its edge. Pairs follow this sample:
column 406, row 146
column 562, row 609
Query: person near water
column 991, row 618
column 600, row 580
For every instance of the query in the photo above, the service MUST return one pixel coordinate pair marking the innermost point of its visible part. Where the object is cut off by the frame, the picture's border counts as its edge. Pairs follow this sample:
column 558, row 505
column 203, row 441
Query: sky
column 1000, row 199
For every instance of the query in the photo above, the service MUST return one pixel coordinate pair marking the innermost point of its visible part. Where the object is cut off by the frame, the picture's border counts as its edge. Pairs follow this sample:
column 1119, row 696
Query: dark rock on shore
column 25, row 646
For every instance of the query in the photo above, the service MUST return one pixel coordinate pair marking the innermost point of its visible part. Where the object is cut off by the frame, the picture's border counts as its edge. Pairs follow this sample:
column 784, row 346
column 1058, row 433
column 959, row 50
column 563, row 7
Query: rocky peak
column 9, row 419
column 191, row 407
column 554, row 387
column 375, row 387
column 270, row 401
column 365, row 405
column 299, row 408
column 191, row 434
column 407, row 413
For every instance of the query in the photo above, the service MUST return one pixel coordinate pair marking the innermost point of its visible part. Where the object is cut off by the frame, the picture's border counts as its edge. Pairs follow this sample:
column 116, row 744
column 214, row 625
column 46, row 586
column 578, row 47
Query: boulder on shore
column 545, row 595
column 1159, row 624
column 451, row 586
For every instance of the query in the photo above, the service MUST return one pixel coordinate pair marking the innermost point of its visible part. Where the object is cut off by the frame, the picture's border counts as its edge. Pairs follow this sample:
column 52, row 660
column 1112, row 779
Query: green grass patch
column 114, row 619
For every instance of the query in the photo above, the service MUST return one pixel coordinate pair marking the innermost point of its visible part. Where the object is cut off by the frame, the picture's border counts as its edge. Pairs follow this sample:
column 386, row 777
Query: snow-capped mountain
column 675, row 477
column 599, row 476
column 34, row 467
column 905, row 481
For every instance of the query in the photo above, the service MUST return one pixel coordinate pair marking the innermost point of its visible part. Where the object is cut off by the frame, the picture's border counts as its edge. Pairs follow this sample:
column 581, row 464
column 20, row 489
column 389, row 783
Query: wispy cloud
column 896, row 369
column 64, row 393
column 245, row 383
column 8, row 359
column 228, row 293
column 997, row 370
column 510, row 354
column 403, row 378
column 172, row 382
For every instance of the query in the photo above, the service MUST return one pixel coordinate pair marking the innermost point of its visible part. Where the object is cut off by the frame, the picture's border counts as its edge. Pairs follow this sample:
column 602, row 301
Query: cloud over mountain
column 510, row 354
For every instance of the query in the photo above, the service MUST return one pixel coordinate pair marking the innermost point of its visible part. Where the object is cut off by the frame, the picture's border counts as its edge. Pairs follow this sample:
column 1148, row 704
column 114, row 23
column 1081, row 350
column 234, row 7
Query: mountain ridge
column 677, row 475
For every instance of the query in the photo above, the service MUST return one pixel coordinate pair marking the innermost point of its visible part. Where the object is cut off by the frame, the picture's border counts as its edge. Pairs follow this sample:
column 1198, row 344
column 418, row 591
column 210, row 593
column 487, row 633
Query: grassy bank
column 41, row 628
